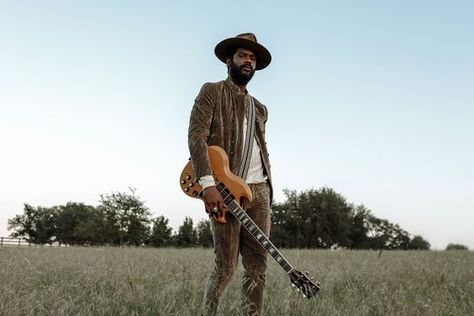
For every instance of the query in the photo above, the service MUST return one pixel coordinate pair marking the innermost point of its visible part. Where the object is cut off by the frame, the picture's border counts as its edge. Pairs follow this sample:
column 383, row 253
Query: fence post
column 19, row 242
column 1, row 241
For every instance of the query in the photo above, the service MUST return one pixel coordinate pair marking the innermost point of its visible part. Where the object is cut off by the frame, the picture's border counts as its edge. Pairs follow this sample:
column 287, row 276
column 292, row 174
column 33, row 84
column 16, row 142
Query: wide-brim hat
column 247, row 41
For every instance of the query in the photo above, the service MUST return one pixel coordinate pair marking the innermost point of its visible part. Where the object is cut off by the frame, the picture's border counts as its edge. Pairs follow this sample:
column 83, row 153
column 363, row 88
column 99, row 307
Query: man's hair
column 230, row 53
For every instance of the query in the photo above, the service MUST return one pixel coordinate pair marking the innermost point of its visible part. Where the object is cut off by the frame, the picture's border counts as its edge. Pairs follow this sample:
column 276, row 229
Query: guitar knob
column 191, row 184
column 188, row 177
column 195, row 193
column 183, row 181
column 186, row 189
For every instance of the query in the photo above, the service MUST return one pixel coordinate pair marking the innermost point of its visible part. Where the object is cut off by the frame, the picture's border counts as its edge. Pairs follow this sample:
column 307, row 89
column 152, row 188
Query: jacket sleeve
column 199, row 130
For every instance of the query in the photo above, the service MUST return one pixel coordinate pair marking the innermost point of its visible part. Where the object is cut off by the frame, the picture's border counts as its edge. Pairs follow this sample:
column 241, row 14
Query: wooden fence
column 22, row 242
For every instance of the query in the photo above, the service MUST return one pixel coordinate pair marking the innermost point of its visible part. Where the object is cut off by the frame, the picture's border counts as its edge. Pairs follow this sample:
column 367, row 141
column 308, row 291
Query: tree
column 312, row 218
column 418, row 243
column 285, row 232
column 360, row 227
column 127, row 217
column 70, row 220
column 385, row 235
column 204, row 234
column 456, row 247
column 36, row 224
column 93, row 230
column 25, row 225
column 324, row 219
column 187, row 235
column 161, row 234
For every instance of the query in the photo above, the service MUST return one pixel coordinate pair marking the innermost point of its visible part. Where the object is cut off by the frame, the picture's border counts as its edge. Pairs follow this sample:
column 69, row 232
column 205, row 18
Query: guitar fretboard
column 252, row 228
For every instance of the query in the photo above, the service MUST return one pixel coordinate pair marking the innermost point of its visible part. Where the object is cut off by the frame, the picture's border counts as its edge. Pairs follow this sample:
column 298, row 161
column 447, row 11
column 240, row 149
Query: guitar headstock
column 303, row 283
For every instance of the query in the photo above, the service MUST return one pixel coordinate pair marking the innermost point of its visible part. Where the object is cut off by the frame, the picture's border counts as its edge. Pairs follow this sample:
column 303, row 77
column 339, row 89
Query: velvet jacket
column 217, row 118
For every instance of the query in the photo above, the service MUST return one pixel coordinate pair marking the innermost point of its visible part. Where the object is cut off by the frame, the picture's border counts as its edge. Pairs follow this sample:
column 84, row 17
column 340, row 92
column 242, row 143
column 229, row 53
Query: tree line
column 121, row 218
column 313, row 218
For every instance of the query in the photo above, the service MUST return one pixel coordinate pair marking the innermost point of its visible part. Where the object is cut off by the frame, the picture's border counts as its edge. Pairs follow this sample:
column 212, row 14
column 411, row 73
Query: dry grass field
column 138, row 281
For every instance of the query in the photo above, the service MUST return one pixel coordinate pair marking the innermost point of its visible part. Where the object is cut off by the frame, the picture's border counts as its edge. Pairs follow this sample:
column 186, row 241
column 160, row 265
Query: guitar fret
column 287, row 267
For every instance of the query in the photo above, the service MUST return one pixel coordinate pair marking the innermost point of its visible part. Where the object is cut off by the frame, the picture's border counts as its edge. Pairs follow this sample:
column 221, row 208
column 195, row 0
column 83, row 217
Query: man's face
column 242, row 66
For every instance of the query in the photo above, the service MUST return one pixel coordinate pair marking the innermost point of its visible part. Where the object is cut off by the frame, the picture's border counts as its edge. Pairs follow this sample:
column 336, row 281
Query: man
column 224, row 114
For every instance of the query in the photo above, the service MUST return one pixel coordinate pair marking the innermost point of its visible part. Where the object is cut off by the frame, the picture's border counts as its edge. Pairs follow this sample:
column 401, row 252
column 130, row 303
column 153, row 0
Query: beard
column 238, row 75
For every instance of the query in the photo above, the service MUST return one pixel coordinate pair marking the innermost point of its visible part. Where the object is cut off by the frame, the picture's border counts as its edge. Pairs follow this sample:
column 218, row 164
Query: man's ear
column 228, row 60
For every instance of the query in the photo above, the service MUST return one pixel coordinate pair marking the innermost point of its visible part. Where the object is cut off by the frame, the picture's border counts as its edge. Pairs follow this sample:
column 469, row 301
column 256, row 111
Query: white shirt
column 255, row 174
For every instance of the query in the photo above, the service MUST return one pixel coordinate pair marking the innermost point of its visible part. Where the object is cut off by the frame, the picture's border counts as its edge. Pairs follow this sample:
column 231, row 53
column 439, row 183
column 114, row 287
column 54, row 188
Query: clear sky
column 374, row 99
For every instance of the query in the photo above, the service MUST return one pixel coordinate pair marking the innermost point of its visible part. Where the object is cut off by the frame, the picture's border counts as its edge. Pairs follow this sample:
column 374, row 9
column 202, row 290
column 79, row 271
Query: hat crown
column 248, row 36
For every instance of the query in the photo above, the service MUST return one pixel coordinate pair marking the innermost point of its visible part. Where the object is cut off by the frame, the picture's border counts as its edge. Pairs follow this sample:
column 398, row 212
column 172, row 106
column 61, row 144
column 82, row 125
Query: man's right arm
column 198, row 133
column 199, row 130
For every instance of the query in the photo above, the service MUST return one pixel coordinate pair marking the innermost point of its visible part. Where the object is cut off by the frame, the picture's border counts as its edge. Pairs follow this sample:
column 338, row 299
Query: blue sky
column 371, row 98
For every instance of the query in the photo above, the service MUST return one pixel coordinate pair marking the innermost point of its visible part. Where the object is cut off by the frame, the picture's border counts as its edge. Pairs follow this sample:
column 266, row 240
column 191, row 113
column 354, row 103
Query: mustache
column 246, row 66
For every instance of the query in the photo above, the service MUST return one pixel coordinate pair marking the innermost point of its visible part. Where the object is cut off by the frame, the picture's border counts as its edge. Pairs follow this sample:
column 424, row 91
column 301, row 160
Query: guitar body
column 221, row 173
column 233, row 189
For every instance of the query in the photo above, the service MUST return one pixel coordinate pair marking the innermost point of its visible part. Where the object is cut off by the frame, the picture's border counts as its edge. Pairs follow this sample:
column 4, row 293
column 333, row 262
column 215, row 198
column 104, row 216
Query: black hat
column 247, row 41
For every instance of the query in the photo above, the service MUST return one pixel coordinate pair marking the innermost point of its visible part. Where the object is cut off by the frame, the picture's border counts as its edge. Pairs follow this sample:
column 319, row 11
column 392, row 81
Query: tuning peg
column 306, row 272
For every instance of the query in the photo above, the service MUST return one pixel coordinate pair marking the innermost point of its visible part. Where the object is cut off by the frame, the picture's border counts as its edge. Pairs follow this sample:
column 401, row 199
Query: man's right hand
column 213, row 201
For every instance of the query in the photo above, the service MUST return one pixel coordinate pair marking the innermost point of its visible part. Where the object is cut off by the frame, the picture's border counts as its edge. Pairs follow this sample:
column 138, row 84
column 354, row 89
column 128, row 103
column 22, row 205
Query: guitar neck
column 252, row 228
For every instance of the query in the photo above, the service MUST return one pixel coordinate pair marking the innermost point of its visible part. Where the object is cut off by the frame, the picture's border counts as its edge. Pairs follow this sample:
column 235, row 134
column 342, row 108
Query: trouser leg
column 226, row 249
column 254, row 256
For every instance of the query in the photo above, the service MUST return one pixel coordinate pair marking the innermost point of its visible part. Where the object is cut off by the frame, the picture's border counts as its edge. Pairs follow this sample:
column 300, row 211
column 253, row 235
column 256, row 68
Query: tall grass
column 138, row 281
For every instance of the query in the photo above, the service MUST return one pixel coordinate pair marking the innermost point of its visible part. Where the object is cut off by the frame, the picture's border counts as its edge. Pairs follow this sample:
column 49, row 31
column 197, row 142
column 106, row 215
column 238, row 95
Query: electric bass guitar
column 233, row 189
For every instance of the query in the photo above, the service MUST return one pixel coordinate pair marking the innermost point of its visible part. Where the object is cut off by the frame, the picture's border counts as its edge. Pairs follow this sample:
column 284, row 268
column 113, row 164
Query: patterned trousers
column 229, row 240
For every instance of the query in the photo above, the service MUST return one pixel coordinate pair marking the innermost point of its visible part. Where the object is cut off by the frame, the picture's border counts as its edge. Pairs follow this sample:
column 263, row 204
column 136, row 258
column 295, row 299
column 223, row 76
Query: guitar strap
column 249, row 138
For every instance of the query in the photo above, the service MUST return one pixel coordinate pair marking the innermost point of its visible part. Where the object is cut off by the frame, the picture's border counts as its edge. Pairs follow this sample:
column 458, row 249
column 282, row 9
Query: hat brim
column 263, row 56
